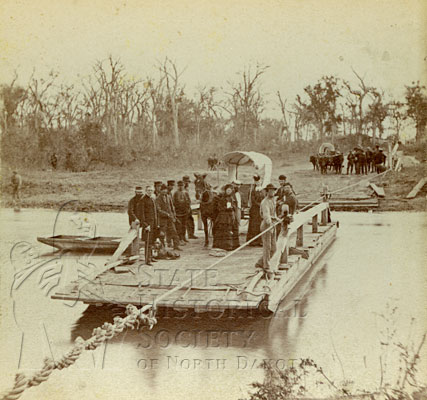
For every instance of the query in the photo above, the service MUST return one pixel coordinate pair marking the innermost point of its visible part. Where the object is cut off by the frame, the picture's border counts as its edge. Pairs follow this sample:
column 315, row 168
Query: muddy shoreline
column 104, row 191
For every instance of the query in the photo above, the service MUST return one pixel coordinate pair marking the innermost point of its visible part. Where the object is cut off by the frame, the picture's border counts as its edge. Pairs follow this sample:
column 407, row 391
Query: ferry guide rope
column 135, row 317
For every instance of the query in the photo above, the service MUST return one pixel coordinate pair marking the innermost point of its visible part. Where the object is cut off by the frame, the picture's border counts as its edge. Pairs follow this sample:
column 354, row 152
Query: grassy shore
column 110, row 189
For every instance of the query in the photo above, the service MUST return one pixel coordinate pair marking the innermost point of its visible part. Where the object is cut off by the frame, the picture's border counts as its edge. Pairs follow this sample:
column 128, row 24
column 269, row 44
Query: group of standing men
column 163, row 213
column 364, row 161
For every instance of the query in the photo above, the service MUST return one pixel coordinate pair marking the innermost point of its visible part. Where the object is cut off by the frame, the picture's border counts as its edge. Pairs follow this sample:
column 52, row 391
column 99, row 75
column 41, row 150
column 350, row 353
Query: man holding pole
column 149, row 222
column 268, row 215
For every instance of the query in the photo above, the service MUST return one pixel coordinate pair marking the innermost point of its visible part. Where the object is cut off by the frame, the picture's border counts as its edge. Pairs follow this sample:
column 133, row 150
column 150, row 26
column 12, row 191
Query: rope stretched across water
column 135, row 317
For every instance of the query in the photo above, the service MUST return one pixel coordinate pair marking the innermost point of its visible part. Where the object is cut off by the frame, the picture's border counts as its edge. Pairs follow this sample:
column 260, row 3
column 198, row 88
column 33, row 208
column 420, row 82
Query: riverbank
column 110, row 190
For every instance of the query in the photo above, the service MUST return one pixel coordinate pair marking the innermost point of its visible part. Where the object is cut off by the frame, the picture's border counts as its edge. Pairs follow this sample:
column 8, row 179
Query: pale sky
column 385, row 41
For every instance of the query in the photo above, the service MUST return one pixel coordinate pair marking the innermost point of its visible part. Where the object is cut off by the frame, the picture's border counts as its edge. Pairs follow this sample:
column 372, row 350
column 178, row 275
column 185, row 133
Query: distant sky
column 385, row 41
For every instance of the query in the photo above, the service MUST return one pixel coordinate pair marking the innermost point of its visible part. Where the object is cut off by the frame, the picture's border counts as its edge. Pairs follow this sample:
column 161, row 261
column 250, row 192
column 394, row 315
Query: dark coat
column 281, row 191
column 165, row 207
column 133, row 209
column 256, row 197
column 148, row 212
column 225, row 224
column 182, row 203
column 379, row 157
column 226, row 215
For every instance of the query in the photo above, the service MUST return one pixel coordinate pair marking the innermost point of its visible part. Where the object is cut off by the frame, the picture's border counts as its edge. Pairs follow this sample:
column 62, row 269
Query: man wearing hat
column 357, row 160
column 282, row 182
column 256, row 195
column 133, row 206
column 268, row 215
column 149, row 221
column 186, row 180
column 350, row 162
column 182, row 203
column 167, row 217
column 190, row 221
column 171, row 186
column 157, row 186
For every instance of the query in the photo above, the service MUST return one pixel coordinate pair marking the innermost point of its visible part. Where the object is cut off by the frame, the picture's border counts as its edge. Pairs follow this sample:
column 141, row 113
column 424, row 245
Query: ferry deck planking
column 234, row 283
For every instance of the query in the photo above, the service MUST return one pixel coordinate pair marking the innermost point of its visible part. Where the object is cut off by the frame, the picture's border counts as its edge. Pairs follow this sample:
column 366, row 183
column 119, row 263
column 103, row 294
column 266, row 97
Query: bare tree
column 200, row 106
column 41, row 108
column 285, row 132
column 156, row 98
column 69, row 107
column 397, row 114
column 171, row 77
column 356, row 101
column 246, row 101
column 377, row 113
column 11, row 96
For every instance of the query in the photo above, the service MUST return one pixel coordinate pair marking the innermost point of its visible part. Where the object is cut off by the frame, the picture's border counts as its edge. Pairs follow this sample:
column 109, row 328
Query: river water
column 377, row 265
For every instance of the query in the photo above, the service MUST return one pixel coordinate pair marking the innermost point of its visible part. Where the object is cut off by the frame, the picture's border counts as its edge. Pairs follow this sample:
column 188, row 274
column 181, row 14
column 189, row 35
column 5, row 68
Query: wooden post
column 324, row 217
column 284, row 256
column 314, row 222
column 136, row 242
column 284, row 232
column 325, row 193
column 300, row 236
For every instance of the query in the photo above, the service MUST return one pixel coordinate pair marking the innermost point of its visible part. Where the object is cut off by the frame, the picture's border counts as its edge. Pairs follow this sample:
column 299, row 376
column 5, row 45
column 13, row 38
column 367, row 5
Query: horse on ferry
column 200, row 184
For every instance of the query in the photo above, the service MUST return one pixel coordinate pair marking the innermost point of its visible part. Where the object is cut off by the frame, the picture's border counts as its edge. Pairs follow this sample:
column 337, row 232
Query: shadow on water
column 177, row 322
column 257, row 325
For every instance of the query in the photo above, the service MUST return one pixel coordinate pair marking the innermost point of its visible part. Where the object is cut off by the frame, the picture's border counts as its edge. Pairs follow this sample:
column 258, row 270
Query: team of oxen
column 323, row 162
column 359, row 161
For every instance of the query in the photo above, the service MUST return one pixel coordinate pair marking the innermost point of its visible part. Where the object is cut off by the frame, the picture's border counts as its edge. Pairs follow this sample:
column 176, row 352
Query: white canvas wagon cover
column 262, row 164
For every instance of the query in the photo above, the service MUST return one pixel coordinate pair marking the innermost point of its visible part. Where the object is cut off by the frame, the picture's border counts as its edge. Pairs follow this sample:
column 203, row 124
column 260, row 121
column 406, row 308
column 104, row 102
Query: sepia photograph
column 213, row 199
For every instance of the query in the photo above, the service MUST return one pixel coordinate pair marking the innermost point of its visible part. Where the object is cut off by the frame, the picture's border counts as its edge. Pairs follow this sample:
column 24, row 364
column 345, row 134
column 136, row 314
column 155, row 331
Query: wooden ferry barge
column 204, row 283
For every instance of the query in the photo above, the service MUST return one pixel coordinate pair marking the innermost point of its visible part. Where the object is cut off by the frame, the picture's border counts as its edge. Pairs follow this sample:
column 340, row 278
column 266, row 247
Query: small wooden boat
column 107, row 244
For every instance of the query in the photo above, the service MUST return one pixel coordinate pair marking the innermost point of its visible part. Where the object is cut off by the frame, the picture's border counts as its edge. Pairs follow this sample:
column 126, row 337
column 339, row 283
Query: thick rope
column 135, row 317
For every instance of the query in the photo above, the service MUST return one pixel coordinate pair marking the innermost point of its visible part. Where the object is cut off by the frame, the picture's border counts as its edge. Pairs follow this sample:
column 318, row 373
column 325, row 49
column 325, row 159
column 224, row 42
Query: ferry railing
column 297, row 226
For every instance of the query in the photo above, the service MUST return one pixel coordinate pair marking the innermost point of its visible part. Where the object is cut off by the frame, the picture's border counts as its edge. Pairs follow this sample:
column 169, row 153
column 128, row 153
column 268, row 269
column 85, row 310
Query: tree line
column 115, row 118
